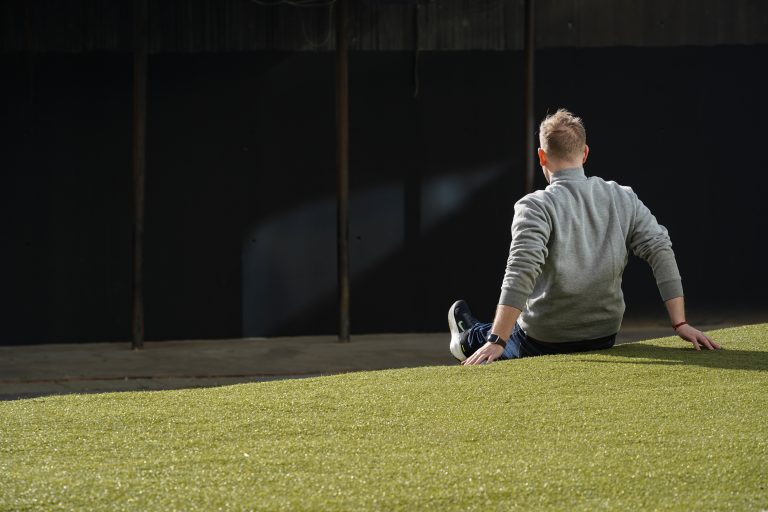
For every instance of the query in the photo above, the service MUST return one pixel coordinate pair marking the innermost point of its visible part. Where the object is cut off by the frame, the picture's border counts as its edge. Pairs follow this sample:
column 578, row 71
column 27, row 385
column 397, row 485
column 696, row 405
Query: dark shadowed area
column 241, row 176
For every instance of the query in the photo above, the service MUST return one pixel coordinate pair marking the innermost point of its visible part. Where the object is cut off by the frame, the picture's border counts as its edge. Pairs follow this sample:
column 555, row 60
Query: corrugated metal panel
column 589, row 23
column 242, row 25
column 469, row 25
column 375, row 27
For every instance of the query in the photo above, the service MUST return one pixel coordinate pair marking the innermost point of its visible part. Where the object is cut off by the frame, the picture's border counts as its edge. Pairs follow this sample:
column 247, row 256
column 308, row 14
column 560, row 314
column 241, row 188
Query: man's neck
column 564, row 165
column 561, row 166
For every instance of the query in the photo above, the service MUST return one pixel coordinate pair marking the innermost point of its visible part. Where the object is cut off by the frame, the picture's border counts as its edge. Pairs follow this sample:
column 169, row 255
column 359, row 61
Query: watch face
column 496, row 340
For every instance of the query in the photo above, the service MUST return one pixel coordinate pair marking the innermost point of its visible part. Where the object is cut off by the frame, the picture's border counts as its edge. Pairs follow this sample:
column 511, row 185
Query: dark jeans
column 522, row 345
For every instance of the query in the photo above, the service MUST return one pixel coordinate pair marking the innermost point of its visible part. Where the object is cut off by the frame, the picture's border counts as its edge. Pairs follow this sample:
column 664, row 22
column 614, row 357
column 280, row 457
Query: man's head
column 563, row 142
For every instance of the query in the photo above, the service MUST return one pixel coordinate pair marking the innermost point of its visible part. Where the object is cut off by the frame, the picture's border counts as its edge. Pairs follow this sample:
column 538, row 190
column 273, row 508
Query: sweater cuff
column 513, row 298
column 670, row 289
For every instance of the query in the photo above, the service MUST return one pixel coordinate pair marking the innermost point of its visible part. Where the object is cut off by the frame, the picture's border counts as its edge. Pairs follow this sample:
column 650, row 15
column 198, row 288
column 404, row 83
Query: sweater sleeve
column 650, row 241
column 528, row 251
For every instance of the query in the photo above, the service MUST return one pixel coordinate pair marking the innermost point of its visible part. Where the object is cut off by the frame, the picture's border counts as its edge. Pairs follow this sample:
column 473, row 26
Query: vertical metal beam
column 139, row 166
column 529, row 150
column 342, row 156
column 412, row 179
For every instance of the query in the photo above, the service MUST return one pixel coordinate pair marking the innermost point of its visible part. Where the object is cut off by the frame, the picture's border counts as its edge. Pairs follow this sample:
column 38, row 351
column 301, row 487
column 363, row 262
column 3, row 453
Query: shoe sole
column 455, row 345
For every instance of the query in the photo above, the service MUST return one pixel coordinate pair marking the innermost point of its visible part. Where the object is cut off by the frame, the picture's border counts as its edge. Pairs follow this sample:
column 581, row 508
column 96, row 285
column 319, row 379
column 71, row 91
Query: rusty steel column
column 342, row 156
column 529, row 150
column 139, row 166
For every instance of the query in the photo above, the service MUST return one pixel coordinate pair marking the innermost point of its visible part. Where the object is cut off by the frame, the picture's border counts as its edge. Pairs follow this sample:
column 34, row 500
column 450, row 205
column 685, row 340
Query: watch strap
column 496, row 340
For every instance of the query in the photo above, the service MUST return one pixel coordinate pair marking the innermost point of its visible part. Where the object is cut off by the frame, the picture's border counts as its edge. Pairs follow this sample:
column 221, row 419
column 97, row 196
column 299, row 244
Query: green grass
column 646, row 426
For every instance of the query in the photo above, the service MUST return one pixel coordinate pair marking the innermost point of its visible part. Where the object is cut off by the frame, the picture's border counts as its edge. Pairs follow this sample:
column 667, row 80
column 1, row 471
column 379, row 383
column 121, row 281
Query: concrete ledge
column 36, row 370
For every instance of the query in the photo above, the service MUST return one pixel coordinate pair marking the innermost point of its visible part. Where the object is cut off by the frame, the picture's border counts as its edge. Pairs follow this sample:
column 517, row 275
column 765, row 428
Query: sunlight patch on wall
column 289, row 260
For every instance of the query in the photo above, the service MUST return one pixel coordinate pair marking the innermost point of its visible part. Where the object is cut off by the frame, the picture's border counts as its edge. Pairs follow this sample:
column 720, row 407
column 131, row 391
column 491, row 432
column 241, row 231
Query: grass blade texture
column 646, row 426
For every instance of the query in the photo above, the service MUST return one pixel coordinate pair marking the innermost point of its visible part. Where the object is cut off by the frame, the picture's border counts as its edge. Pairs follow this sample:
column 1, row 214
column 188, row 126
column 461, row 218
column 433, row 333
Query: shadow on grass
column 146, row 385
column 652, row 354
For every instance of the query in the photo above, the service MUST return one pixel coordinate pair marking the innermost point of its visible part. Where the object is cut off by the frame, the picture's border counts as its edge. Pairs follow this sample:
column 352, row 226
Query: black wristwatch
column 496, row 340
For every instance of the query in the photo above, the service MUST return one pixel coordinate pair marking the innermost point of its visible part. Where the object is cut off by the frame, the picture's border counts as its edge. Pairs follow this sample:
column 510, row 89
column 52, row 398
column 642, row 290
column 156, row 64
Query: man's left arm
column 503, row 324
column 527, row 253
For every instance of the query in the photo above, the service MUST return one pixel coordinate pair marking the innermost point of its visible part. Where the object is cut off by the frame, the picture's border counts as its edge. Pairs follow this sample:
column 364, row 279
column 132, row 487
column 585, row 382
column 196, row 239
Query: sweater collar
column 570, row 174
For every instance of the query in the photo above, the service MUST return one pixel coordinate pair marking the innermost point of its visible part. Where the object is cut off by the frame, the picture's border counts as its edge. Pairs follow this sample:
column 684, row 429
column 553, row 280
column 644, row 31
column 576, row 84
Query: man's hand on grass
column 695, row 336
column 487, row 354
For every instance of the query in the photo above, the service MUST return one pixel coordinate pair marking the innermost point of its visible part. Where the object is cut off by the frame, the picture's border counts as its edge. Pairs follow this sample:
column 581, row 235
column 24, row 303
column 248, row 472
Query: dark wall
column 691, row 152
column 240, row 220
column 65, row 200
column 217, row 26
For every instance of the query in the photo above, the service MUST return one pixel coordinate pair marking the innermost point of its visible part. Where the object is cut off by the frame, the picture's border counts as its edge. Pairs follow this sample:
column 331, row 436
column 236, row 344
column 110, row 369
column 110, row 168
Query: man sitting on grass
column 562, row 288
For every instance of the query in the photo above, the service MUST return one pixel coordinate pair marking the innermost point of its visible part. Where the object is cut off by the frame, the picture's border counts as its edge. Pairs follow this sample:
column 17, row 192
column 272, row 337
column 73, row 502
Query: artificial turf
column 647, row 426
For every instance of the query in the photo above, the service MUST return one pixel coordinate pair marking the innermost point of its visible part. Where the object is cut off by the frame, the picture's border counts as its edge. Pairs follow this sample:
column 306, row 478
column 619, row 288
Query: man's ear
column 542, row 157
column 586, row 154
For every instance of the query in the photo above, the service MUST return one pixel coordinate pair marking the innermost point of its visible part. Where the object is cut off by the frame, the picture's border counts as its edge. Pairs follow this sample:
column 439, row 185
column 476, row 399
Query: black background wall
column 240, row 223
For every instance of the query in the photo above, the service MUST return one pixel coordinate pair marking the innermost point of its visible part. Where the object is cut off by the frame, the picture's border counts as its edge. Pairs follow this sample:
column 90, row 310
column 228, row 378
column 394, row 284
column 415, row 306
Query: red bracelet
column 678, row 325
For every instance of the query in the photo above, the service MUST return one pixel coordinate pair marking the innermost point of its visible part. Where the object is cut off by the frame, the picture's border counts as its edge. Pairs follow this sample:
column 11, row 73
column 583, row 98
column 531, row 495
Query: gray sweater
column 570, row 245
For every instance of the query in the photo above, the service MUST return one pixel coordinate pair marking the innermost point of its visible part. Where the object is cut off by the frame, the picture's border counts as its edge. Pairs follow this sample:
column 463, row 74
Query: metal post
column 139, row 165
column 528, row 121
column 342, row 149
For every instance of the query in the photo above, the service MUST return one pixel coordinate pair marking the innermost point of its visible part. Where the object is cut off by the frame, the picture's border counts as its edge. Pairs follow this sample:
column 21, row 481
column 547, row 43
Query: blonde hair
column 562, row 135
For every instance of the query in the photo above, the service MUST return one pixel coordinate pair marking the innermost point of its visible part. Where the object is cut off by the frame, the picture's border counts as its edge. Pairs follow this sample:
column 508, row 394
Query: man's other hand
column 695, row 336
column 487, row 354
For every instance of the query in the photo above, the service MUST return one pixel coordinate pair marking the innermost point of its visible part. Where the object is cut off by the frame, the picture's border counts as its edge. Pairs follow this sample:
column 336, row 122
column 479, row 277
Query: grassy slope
column 643, row 426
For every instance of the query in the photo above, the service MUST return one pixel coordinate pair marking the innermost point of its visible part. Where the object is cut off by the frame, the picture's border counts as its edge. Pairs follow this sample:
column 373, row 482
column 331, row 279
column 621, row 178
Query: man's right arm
column 676, row 310
column 650, row 241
